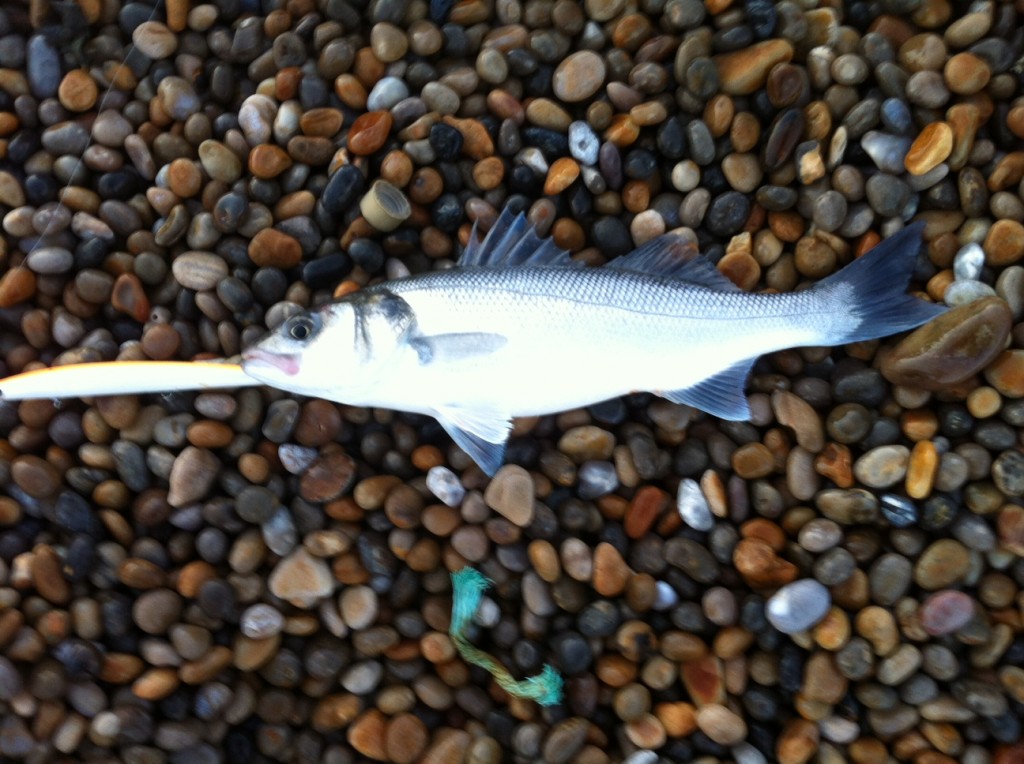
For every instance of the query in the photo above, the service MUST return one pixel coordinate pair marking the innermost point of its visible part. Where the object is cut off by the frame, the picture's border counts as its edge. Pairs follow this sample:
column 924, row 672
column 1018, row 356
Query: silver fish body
column 519, row 330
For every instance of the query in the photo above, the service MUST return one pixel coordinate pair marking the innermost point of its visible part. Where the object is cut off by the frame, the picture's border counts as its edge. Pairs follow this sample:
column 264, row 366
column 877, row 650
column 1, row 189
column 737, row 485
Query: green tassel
column 468, row 586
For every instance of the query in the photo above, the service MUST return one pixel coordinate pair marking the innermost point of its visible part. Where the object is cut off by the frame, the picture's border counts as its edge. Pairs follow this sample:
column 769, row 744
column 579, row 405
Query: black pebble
column 612, row 237
column 446, row 141
column 325, row 272
column 727, row 213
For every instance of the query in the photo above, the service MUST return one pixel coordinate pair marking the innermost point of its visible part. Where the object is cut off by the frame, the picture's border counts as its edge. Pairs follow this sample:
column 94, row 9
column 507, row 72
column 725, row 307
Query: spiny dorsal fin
column 672, row 256
column 511, row 242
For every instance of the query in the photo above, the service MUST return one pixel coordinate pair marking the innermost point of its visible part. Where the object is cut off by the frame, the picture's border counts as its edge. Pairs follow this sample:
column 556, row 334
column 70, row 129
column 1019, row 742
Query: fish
column 518, row 328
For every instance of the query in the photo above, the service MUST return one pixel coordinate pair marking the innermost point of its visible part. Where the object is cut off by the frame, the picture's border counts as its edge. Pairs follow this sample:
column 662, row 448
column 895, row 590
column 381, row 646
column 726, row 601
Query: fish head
column 339, row 351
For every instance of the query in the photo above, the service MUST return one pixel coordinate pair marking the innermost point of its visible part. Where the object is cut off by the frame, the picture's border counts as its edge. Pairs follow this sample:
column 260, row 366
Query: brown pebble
column 369, row 132
column 406, row 738
column 193, row 474
column 129, row 296
column 721, row 724
column 156, row 684
column 561, row 175
column 367, row 735
column 301, row 579
column 47, row 576
column 578, row 76
column 744, row 71
column 477, row 142
column 16, row 285
column 1004, row 243
column 1006, row 373
column 951, row 348
column 752, row 461
column 931, row 147
column 329, row 476
column 267, row 161
column 611, row 573
column 511, row 494
column 155, row 40
column 271, row 248
column 35, row 476
column 798, row 742
column 704, row 680
column 199, row 270
column 644, row 510
column 77, row 91
column 966, row 73
column 943, row 563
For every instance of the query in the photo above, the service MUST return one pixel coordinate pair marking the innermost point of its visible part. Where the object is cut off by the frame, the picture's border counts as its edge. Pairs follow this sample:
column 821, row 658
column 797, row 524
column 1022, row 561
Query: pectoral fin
column 481, row 433
column 720, row 395
column 459, row 346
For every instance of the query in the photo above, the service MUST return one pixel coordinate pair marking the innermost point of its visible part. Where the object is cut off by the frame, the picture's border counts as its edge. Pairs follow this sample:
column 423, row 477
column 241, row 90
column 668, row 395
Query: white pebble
column 693, row 507
column 964, row 292
column 968, row 262
column 386, row 93
column 798, row 606
column 583, row 143
column 445, row 485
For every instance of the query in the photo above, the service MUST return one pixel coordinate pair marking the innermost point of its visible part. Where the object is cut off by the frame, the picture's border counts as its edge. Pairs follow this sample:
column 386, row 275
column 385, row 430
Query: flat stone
column 511, row 494
column 943, row 563
column 578, row 76
column 199, row 270
column 951, row 348
column 301, row 579
column 798, row 606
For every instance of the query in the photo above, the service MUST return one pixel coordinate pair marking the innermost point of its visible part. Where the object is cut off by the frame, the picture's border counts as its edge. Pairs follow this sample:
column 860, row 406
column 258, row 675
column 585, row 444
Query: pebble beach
column 250, row 576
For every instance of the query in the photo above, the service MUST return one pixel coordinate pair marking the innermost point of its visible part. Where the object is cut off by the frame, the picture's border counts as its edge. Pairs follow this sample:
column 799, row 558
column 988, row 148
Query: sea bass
column 520, row 329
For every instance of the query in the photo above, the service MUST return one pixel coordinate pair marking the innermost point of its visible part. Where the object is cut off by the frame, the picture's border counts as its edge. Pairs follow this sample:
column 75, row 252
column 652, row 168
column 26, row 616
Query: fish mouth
column 285, row 362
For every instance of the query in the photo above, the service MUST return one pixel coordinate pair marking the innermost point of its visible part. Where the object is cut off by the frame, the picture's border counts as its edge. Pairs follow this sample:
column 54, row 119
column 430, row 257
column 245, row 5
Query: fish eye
column 301, row 328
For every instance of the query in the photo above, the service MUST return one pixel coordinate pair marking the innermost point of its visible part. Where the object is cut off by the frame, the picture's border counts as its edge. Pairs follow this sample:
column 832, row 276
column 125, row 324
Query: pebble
column 946, row 612
column 941, row 564
column 798, row 606
column 578, row 76
column 693, row 507
column 155, row 40
column 511, row 494
column 951, row 348
column 301, row 579
column 744, row 71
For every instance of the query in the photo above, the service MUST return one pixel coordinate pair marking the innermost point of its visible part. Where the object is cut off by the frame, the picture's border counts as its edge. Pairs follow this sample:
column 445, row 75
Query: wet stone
column 951, row 348
column 946, row 612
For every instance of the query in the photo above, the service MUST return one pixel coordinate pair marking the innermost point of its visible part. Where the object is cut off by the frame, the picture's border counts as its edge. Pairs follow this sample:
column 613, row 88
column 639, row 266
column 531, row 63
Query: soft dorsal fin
column 510, row 242
column 672, row 256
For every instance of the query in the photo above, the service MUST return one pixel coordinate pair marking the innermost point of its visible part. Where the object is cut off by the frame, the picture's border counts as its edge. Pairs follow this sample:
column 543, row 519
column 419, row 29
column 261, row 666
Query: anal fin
column 479, row 432
column 721, row 395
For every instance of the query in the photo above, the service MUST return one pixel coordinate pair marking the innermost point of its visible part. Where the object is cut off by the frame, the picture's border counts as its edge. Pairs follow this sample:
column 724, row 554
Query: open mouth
column 255, row 358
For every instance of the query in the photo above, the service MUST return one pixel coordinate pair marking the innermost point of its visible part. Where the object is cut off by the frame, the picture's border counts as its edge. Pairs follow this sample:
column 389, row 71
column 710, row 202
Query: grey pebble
column 596, row 479
column 798, row 606
column 886, row 151
column 43, row 67
column 50, row 260
column 279, row 532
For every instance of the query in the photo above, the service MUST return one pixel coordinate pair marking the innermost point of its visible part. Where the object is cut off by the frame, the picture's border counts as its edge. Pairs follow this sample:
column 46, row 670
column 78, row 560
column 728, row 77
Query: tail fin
column 872, row 289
